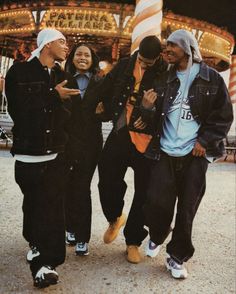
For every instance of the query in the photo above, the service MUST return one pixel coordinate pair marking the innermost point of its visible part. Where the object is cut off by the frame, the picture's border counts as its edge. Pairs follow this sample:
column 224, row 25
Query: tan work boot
column 113, row 229
column 133, row 254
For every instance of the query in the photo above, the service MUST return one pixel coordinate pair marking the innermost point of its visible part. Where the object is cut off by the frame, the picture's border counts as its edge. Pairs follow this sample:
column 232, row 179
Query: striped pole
column 148, row 18
column 232, row 80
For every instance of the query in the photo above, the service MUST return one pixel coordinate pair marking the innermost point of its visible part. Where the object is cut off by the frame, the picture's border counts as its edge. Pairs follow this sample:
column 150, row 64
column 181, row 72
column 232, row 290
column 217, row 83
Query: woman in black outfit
column 84, row 146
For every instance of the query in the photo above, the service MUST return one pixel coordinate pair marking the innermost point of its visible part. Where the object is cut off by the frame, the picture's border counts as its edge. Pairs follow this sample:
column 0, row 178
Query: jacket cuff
column 144, row 109
column 202, row 141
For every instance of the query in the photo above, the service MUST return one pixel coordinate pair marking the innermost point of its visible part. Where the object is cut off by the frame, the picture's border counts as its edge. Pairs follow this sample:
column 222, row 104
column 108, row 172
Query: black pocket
column 30, row 95
column 30, row 88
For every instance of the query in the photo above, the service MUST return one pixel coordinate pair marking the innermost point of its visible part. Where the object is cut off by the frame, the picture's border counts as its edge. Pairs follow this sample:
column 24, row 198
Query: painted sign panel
column 16, row 22
column 80, row 21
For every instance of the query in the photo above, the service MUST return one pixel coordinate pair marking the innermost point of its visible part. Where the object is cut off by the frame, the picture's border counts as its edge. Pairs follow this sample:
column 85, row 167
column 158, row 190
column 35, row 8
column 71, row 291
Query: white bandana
column 44, row 37
column 186, row 40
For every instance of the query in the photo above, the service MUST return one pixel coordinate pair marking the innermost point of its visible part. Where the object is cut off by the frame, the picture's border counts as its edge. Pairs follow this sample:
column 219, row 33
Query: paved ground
column 105, row 270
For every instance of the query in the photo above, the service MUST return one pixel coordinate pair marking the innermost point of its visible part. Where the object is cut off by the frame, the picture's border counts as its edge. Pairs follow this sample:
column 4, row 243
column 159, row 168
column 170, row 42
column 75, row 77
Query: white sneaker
column 45, row 277
column 152, row 249
column 32, row 253
column 70, row 239
column 81, row 249
column 178, row 271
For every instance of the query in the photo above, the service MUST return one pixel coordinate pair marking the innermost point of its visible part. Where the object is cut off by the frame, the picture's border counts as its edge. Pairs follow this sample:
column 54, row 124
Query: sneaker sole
column 151, row 255
column 49, row 279
column 28, row 261
column 133, row 262
column 82, row 253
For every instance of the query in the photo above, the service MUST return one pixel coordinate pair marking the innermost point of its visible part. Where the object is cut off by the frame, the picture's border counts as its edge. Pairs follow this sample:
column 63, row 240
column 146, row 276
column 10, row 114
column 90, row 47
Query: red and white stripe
column 148, row 18
column 232, row 80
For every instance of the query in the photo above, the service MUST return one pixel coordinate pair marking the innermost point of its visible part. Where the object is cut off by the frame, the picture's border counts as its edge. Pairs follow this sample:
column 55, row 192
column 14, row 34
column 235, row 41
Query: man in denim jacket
column 39, row 102
column 124, row 88
column 193, row 114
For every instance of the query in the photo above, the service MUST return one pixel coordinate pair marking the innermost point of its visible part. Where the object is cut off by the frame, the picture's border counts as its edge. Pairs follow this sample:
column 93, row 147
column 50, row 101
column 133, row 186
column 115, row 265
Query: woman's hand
column 100, row 108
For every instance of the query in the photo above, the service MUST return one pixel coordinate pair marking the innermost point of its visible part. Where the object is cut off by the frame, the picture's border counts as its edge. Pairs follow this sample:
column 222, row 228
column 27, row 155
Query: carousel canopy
column 106, row 25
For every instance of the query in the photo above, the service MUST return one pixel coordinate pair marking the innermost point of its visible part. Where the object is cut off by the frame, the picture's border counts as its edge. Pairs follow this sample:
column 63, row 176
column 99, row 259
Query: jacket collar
column 158, row 67
column 87, row 74
column 203, row 73
column 35, row 61
column 131, row 64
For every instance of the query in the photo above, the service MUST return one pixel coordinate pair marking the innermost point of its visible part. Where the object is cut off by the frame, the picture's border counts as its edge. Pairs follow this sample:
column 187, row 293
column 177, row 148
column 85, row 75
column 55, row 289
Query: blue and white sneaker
column 32, row 253
column 152, row 250
column 81, row 249
column 178, row 271
column 70, row 239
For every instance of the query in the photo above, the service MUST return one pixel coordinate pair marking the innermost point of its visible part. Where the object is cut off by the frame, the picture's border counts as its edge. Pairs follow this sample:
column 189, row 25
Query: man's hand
column 149, row 99
column 139, row 124
column 198, row 150
column 65, row 93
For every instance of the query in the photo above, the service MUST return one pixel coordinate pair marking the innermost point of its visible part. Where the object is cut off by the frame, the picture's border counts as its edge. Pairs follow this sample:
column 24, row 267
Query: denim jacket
column 38, row 113
column 118, row 86
column 209, row 103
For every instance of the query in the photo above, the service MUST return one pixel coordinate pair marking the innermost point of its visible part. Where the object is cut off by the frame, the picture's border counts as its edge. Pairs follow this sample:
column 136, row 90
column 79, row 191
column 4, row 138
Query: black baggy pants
column 43, row 187
column 173, row 178
column 78, row 204
column 118, row 154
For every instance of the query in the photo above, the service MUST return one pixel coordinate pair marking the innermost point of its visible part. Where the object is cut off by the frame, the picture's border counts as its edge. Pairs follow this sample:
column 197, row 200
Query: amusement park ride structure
column 107, row 26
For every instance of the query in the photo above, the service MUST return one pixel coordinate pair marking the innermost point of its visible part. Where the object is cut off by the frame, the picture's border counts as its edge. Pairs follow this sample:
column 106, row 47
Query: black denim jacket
column 209, row 103
column 38, row 113
column 85, row 125
column 118, row 86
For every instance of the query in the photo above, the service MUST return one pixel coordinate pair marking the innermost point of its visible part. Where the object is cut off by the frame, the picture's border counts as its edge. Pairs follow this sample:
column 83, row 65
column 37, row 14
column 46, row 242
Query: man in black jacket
column 124, row 88
column 39, row 105
column 194, row 114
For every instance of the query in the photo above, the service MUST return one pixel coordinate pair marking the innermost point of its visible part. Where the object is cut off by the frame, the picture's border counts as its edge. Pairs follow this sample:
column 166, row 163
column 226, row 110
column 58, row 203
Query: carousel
column 113, row 29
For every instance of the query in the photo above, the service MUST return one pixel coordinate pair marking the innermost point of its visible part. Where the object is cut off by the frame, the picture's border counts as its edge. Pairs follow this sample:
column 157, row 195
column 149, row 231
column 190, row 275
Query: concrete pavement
column 105, row 270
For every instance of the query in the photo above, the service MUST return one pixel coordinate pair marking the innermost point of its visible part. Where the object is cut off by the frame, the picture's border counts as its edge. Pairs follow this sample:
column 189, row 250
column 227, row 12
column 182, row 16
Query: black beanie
column 150, row 47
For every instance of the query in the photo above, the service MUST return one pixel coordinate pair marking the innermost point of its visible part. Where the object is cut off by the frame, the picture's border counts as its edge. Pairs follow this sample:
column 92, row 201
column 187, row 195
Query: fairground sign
column 80, row 21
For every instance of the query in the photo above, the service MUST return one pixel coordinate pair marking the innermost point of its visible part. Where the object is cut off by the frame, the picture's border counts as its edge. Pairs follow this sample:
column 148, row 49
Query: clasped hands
column 148, row 101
